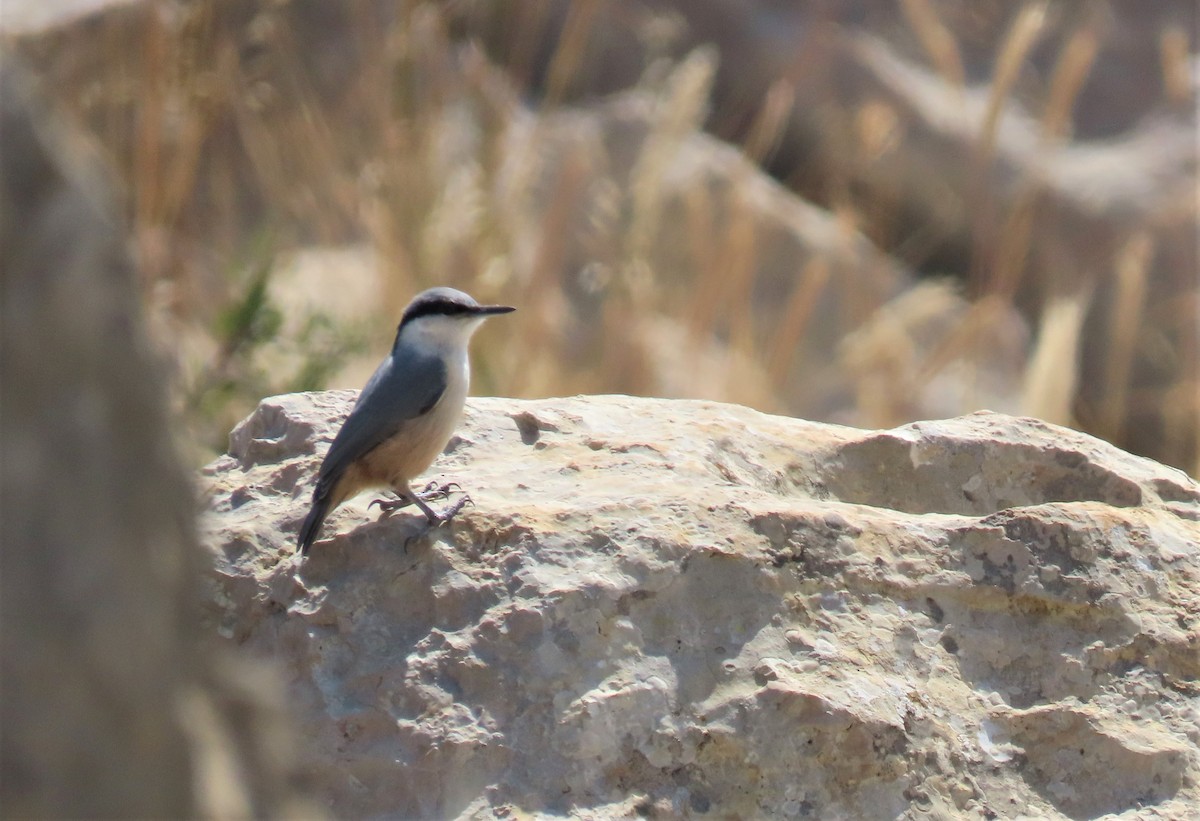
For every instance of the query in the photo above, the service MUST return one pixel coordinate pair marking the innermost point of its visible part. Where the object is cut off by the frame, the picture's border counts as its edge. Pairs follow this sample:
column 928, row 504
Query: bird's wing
column 399, row 390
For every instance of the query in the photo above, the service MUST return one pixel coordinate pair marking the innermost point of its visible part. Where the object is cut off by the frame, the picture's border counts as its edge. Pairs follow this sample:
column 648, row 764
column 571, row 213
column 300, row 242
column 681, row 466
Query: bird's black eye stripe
column 441, row 307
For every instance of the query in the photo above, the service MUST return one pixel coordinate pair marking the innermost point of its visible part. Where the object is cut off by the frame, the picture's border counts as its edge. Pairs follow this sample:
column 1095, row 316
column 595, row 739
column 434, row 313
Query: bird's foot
column 452, row 511
column 433, row 490
column 389, row 506
column 429, row 493
column 434, row 519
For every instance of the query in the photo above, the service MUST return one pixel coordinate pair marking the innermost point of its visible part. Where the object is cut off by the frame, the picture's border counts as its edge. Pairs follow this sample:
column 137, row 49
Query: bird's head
column 444, row 318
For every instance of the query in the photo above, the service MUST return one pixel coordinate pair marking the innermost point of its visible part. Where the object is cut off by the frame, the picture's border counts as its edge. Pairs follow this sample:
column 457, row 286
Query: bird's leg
column 407, row 497
column 436, row 519
column 433, row 518
column 452, row 511
column 445, row 515
column 389, row 506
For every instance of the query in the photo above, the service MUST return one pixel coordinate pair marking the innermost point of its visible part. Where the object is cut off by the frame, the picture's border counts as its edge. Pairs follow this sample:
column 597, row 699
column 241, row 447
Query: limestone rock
column 680, row 608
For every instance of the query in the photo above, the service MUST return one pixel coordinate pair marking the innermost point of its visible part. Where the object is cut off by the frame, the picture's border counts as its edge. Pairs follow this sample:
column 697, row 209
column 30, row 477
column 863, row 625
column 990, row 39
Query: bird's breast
column 418, row 442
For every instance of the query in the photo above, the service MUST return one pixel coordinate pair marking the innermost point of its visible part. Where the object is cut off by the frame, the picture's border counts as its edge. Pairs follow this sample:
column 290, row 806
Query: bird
column 405, row 414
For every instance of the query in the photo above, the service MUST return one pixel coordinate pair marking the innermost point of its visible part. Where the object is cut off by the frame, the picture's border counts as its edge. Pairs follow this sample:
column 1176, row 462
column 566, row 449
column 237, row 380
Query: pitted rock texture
column 688, row 609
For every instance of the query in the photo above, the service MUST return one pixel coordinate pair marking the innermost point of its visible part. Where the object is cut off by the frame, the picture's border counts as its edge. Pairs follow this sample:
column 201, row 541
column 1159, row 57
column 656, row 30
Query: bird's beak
column 488, row 310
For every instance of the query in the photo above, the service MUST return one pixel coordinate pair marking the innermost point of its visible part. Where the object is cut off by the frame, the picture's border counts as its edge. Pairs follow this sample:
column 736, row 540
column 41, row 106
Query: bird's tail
column 312, row 524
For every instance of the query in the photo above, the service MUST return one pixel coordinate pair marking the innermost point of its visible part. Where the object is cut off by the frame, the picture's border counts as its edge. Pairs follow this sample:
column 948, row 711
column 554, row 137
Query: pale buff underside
column 410, row 452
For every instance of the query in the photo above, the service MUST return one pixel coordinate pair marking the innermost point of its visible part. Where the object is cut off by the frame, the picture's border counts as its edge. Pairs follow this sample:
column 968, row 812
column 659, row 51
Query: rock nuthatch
column 406, row 413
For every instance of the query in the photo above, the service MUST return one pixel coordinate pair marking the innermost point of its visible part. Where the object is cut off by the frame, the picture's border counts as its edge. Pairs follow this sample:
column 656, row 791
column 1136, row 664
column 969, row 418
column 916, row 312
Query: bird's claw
column 435, row 491
column 389, row 506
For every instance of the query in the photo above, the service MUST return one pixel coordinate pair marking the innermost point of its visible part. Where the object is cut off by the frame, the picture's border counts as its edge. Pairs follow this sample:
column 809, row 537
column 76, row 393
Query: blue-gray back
column 402, row 388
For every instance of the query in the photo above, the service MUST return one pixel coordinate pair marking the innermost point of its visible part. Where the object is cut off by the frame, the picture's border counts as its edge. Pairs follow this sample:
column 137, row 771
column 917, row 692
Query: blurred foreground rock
column 115, row 705
column 676, row 608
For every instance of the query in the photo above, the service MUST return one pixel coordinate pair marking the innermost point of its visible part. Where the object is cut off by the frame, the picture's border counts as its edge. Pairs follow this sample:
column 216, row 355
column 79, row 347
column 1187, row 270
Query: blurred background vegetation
column 862, row 211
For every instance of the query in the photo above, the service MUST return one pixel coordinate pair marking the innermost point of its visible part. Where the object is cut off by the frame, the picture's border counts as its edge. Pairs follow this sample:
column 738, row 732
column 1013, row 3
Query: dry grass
column 237, row 150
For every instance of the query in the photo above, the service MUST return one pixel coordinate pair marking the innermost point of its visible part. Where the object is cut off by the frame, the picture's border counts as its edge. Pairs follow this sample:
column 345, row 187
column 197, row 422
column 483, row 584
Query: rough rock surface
column 681, row 608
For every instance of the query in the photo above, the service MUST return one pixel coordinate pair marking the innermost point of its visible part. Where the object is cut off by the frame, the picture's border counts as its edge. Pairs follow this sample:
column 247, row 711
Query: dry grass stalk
column 937, row 40
column 1053, row 372
column 549, row 324
column 572, row 46
column 1008, row 257
column 681, row 109
column 737, row 262
column 1022, row 35
column 1176, row 65
column 701, row 219
column 148, row 136
column 769, row 122
column 788, row 334
column 1071, row 70
column 1126, row 317
column 855, row 278
column 1020, row 39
